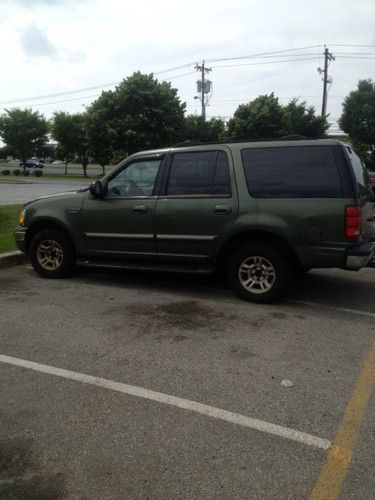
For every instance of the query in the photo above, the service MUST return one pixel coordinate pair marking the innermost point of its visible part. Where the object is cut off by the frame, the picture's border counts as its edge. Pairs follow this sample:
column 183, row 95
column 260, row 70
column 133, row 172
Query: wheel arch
column 257, row 236
column 45, row 224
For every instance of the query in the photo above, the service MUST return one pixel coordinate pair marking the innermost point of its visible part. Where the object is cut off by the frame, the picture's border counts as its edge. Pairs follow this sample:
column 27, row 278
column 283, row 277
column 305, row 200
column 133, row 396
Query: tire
column 265, row 269
column 52, row 254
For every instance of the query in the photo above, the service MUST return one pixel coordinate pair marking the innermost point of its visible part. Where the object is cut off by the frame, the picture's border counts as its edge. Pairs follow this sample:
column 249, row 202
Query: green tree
column 83, row 148
column 69, row 130
column 196, row 129
column 24, row 131
column 141, row 113
column 47, row 150
column 358, row 119
column 100, row 138
column 262, row 118
column 303, row 121
column 6, row 151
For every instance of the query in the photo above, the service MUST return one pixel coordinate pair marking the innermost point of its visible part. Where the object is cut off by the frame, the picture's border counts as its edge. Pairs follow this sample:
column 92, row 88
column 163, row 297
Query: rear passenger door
column 197, row 203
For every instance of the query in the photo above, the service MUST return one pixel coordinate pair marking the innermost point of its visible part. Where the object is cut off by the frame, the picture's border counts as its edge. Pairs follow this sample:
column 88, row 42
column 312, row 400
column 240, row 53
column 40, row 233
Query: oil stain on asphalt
column 22, row 476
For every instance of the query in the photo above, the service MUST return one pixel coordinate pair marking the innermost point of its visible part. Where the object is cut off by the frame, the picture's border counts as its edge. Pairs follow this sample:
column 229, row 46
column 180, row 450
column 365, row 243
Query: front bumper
column 360, row 256
column 20, row 237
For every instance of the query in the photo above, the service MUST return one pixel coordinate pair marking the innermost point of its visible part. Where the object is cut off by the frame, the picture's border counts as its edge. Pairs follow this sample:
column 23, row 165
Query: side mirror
column 97, row 189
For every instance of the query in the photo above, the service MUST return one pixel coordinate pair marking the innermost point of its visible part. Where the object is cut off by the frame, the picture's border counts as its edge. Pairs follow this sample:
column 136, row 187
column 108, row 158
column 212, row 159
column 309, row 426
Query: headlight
column 22, row 216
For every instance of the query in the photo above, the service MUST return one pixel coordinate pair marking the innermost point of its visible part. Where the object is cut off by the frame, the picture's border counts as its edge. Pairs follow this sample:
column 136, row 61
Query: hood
column 62, row 195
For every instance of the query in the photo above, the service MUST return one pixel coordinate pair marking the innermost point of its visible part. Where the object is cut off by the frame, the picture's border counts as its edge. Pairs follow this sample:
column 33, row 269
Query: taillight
column 353, row 222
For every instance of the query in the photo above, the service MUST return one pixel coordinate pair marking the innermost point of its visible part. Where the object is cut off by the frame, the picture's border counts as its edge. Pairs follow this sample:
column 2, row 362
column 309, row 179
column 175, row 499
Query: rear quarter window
column 361, row 174
column 292, row 172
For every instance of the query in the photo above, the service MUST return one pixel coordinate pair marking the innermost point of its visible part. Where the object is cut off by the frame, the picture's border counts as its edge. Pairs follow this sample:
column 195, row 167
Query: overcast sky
column 55, row 46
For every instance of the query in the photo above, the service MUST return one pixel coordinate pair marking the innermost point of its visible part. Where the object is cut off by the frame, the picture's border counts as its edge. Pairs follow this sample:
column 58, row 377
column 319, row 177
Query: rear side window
column 360, row 173
column 199, row 173
column 292, row 172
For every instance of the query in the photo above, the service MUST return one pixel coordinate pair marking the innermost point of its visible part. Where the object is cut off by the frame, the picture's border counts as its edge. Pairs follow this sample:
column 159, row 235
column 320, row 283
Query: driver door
column 121, row 224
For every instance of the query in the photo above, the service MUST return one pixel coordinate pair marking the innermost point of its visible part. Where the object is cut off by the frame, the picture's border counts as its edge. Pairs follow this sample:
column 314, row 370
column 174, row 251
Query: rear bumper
column 20, row 237
column 360, row 256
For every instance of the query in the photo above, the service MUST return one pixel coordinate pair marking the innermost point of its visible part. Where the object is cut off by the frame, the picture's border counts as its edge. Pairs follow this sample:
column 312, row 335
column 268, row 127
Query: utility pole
column 326, row 79
column 203, row 87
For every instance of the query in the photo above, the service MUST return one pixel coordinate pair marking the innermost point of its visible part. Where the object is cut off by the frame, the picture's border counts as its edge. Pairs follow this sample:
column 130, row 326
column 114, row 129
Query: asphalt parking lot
column 129, row 385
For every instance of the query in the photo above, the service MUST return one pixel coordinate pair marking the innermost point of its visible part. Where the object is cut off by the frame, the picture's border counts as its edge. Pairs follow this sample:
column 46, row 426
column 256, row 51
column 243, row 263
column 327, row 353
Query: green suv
column 260, row 210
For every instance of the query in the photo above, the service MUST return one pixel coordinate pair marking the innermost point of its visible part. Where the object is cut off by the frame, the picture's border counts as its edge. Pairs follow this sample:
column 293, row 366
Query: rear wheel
column 52, row 254
column 259, row 273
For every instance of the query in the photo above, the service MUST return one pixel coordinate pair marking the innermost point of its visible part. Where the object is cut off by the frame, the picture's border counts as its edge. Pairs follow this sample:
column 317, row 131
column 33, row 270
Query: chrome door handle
column 139, row 209
column 222, row 209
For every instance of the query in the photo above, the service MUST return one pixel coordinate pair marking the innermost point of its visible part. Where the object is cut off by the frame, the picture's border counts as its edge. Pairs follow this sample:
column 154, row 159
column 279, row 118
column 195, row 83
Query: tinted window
column 137, row 179
column 199, row 173
column 360, row 173
column 291, row 172
column 222, row 182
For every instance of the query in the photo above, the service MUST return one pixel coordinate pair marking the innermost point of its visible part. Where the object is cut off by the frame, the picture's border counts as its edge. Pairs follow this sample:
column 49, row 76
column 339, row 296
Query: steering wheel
column 131, row 188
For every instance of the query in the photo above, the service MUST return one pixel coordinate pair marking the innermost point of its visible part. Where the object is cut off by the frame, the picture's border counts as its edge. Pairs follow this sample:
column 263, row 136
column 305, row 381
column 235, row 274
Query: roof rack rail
column 295, row 137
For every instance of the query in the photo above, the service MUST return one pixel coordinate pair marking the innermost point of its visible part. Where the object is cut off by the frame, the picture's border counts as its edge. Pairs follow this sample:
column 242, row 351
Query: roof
column 282, row 141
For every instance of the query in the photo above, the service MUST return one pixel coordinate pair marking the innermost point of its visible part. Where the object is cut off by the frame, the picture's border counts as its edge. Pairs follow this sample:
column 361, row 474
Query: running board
column 143, row 266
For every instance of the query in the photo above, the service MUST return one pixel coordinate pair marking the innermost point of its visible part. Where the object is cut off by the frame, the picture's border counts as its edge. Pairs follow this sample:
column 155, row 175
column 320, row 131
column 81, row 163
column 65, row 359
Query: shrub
column 26, row 173
column 5, row 172
column 17, row 172
column 38, row 173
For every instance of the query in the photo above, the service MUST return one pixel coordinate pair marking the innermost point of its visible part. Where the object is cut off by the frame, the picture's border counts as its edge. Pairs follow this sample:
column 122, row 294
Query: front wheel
column 52, row 254
column 258, row 273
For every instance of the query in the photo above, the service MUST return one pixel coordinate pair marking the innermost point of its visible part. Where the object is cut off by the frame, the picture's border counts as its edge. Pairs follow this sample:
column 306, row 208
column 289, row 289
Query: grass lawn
column 9, row 215
column 20, row 179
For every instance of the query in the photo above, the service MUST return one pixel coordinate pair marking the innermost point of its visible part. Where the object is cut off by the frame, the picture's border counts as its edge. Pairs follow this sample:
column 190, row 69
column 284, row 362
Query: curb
column 10, row 259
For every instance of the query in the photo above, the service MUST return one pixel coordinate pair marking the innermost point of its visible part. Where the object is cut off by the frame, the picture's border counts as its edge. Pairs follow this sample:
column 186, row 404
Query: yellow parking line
column 334, row 471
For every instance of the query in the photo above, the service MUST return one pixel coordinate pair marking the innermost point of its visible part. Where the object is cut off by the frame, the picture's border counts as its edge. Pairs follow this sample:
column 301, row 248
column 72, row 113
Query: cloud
column 73, row 55
column 48, row 3
column 35, row 43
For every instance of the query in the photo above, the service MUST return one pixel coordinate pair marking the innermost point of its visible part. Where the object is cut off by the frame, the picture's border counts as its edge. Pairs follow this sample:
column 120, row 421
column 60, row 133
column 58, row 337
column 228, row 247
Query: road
column 146, row 386
column 21, row 193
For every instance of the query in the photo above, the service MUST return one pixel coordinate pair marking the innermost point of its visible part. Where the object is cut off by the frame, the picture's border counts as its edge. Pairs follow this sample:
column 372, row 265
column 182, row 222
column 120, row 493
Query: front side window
column 292, row 172
column 137, row 179
column 199, row 173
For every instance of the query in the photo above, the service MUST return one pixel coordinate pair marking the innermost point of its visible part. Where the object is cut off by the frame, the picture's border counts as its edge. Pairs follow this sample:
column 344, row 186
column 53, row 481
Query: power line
column 94, row 95
column 265, row 62
column 355, row 57
column 355, row 53
column 281, row 54
column 64, row 100
column 59, row 94
column 280, row 97
column 179, row 76
column 262, row 54
column 350, row 45
column 173, row 69
column 85, row 89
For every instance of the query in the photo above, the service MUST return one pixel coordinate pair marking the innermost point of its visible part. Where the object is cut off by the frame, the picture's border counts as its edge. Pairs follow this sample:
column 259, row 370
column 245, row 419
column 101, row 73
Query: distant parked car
column 58, row 162
column 33, row 164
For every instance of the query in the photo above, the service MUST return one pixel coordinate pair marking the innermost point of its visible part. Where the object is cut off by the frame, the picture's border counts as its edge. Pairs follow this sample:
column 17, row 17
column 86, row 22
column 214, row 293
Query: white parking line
column 334, row 308
column 140, row 392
